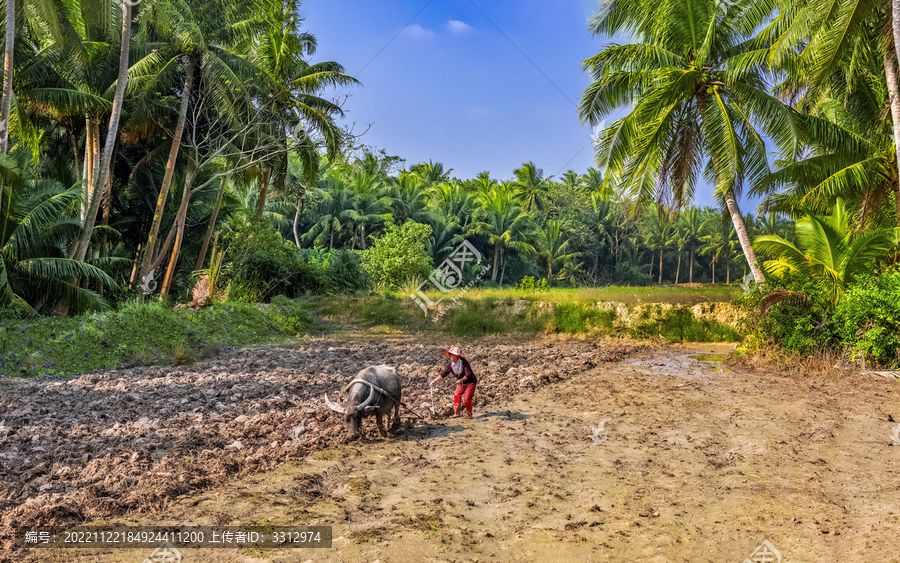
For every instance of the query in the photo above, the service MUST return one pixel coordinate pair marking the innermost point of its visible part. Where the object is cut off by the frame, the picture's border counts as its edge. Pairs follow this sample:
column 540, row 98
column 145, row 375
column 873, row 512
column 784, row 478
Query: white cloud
column 458, row 27
column 416, row 31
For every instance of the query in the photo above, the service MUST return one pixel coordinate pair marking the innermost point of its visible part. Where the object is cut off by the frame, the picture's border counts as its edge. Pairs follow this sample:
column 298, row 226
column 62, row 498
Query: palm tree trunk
column 75, row 162
column 678, row 270
column 134, row 266
column 714, row 269
column 88, row 167
column 150, row 248
column 503, row 269
column 738, row 221
column 263, row 188
column 894, row 94
column 6, row 104
column 211, row 227
column 111, row 135
column 181, row 219
column 660, row 266
column 691, row 267
column 727, row 272
column 496, row 261
column 549, row 274
column 362, row 238
column 297, row 221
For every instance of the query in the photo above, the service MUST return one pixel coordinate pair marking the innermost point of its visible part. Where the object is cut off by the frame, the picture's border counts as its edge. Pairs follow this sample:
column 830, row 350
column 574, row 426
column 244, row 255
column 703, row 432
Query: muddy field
column 580, row 451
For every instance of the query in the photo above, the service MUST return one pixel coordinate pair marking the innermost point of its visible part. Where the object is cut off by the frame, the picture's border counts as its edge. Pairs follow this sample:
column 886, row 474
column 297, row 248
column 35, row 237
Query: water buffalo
column 375, row 390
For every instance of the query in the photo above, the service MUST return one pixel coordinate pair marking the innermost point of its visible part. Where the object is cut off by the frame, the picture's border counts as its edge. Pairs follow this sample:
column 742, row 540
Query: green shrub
column 146, row 327
column 581, row 318
column 290, row 315
column 260, row 264
column 388, row 312
column 528, row 284
column 798, row 326
column 679, row 324
column 398, row 255
column 867, row 319
column 471, row 318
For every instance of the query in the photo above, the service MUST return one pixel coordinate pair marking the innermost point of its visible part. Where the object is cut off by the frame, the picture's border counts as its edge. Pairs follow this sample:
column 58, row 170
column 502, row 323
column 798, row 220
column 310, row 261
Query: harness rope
column 383, row 392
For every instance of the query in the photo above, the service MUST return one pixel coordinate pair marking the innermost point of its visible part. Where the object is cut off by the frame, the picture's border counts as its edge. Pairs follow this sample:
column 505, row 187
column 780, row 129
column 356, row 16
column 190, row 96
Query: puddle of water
column 684, row 365
column 710, row 357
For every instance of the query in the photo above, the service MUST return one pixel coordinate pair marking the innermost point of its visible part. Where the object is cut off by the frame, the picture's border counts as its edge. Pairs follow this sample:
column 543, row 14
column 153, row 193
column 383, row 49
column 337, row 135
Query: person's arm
column 444, row 372
column 467, row 371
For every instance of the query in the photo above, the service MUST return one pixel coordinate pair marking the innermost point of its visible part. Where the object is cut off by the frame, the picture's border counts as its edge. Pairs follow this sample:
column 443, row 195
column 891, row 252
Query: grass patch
column 369, row 536
column 579, row 318
column 680, row 325
column 141, row 333
column 359, row 486
column 618, row 294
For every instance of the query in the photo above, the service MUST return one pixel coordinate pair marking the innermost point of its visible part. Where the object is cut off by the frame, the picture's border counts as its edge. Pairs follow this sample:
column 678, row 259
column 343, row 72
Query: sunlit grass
column 617, row 294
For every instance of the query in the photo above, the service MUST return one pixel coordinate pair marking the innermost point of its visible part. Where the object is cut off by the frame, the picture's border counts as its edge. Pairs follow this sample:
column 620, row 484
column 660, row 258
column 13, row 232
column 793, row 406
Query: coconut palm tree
column 332, row 198
column 503, row 221
column 431, row 172
column 549, row 246
column 103, row 176
column 829, row 251
column 37, row 226
column 690, row 224
column 369, row 206
column 294, row 90
column 657, row 236
column 697, row 93
column 531, row 186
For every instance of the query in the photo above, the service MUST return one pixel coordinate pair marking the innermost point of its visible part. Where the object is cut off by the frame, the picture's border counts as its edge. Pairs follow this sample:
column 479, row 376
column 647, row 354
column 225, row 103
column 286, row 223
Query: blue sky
column 475, row 85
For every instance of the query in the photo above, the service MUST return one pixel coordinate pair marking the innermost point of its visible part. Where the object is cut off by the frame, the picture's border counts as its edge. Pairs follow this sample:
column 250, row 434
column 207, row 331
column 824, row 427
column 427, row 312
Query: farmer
column 465, row 380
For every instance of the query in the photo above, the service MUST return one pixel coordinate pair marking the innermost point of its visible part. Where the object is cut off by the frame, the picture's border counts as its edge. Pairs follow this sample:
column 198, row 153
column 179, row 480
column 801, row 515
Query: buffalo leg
column 396, row 424
column 380, row 424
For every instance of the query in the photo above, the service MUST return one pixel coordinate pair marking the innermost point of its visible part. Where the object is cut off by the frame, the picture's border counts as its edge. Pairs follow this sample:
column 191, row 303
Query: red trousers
column 464, row 391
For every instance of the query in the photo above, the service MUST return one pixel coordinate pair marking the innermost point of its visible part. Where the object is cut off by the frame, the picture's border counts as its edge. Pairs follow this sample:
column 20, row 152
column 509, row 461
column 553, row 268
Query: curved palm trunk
column 7, row 78
column 211, row 227
column 170, row 171
column 738, row 221
column 691, row 267
column 106, row 159
column 714, row 269
column 894, row 95
column 496, row 261
column 297, row 221
column 180, row 219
